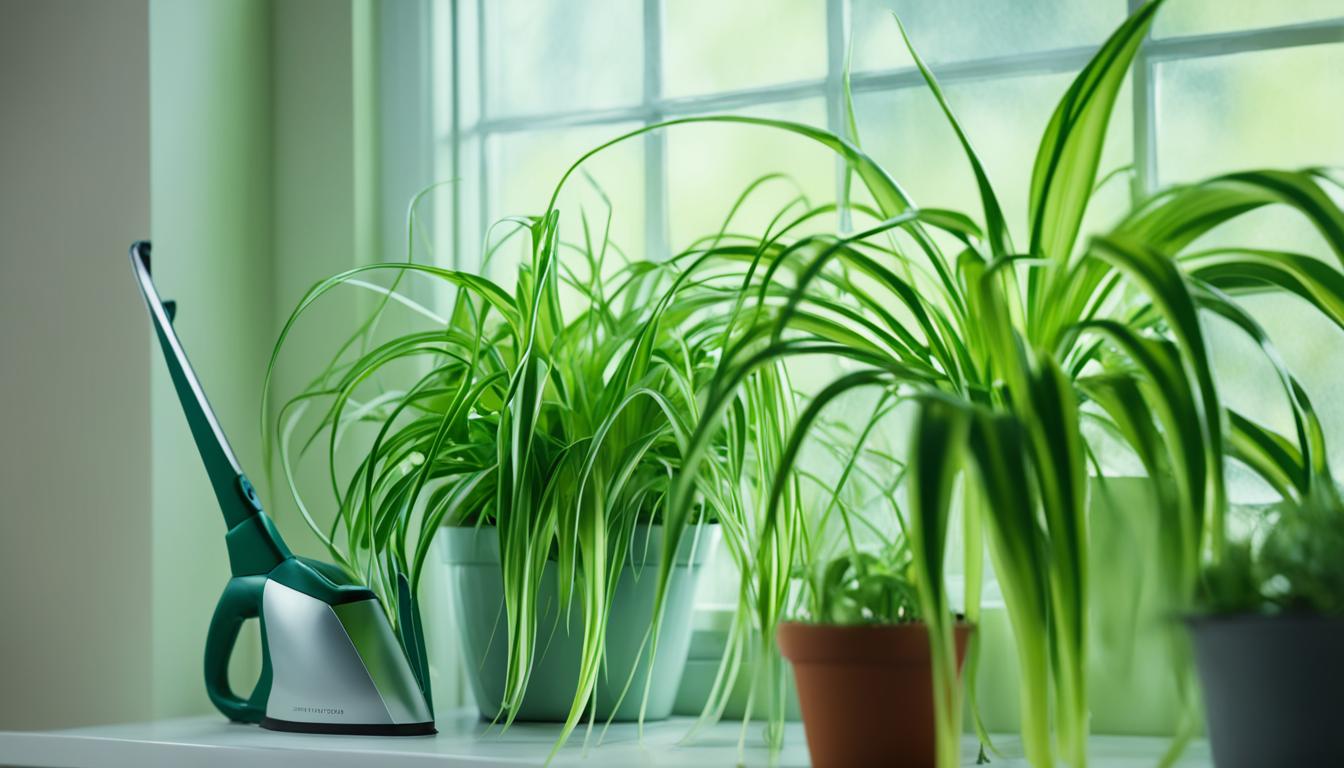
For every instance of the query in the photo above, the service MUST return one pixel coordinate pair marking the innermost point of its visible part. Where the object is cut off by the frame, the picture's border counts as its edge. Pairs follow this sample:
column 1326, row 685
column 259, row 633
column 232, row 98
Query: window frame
column 654, row 107
column 450, row 135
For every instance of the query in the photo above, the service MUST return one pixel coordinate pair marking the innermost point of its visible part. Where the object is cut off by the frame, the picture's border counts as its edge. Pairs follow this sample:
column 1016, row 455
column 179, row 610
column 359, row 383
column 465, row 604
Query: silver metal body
column 336, row 665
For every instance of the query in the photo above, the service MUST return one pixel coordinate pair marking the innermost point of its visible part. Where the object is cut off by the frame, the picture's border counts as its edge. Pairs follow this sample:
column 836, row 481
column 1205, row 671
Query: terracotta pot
column 866, row 691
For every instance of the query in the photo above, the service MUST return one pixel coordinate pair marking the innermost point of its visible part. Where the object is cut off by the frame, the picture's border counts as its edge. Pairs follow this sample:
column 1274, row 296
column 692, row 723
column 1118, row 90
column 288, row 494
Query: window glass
column 710, row 166
column 524, row 168
column 458, row 202
column 1227, row 112
column 961, row 30
column 1212, row 117
column 1203, row 16
column 585, row 61
column 712, row 45
column 547, row 57
column 907, row 133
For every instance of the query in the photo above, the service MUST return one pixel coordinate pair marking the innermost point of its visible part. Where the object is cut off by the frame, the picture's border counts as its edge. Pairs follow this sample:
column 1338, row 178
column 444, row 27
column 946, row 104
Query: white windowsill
column 209, row 742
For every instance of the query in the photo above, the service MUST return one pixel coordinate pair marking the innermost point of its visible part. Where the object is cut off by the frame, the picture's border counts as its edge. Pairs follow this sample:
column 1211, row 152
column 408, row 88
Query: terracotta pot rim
column 922, row 625
column 859, row 643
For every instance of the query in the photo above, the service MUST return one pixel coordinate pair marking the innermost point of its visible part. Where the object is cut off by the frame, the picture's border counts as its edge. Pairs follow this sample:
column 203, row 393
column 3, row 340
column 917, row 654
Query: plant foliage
column 570, row 407
column 1006, row 352
column 557, row 409
column 1293, row 565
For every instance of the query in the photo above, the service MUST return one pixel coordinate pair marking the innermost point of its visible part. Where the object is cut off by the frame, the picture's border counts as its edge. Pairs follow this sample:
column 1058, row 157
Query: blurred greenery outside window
column 521, row 88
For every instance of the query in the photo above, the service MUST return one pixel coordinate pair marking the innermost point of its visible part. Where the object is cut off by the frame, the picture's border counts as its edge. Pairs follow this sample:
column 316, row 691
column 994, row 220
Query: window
column 537, row 83
column 522, row 88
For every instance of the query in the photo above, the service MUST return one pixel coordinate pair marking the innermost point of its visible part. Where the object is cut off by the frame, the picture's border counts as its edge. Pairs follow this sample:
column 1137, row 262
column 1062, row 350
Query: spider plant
column 1005, row 351
column 558, row 411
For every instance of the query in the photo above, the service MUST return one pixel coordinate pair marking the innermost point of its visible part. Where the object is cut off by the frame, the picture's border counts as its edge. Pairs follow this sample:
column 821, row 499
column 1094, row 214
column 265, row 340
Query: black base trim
column 351, row 729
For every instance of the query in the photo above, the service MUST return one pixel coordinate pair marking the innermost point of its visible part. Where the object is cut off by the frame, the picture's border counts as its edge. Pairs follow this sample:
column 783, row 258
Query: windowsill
column 209, row 742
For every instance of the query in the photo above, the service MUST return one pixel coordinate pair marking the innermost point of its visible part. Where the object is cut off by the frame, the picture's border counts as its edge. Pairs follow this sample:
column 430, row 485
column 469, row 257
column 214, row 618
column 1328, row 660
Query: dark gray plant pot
column 1273, row 688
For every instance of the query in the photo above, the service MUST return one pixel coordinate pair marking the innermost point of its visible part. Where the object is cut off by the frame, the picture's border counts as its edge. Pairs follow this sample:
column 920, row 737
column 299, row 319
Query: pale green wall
column 211, row 157
column 74, row 364
column 1134, row 639
column 255, row 180
column 226, row 132
column 250, row 141
column 314, row 196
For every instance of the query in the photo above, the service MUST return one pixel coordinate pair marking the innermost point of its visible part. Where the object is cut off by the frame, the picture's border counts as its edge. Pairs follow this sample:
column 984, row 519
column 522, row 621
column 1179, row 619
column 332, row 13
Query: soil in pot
column 866, row 692
column 1272, row 688
column 472, row 555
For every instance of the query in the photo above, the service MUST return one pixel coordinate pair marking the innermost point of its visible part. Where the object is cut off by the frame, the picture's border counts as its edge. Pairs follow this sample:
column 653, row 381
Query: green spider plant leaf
column 1066, row 164
column 938, row 441
column 1169, row 395
column 1270, row 454
column 1166, row 288
column 1173, row 219
column 999, row 449
column 594, row 395
column 1052, row 426
column 1246, row 271
column 1311, row 446
column 995, row 226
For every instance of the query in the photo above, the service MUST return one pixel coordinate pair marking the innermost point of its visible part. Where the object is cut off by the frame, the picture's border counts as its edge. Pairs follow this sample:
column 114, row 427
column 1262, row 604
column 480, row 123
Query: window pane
column 959, row 30
column 1236, row 112
column 712, row 45
column 525, row 167
column 546, row 57
column 709, row 166
column 906, row 132
column 1266, row 108
column 1191, row 17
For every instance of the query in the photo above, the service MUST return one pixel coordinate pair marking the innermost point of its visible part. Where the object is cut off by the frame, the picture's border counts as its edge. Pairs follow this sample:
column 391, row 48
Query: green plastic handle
column 241, row 601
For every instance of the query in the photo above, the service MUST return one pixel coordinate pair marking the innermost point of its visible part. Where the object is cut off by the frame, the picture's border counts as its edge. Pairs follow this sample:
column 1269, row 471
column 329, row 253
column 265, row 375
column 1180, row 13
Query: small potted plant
column 1269, row 643
column 862, row 665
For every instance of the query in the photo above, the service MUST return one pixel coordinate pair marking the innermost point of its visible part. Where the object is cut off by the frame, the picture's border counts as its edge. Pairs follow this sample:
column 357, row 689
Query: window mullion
column 483, row 146
column 1144, row 119
column 837, row 50
column 455, row 129
column 655, row 143
column 1322, row 32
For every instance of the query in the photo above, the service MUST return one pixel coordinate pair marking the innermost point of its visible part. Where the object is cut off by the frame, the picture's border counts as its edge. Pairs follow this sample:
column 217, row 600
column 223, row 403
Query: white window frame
column 655, row 107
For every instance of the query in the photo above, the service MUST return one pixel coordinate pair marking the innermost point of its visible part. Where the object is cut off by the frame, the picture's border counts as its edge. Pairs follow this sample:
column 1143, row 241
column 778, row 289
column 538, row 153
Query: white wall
column 74, row 364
